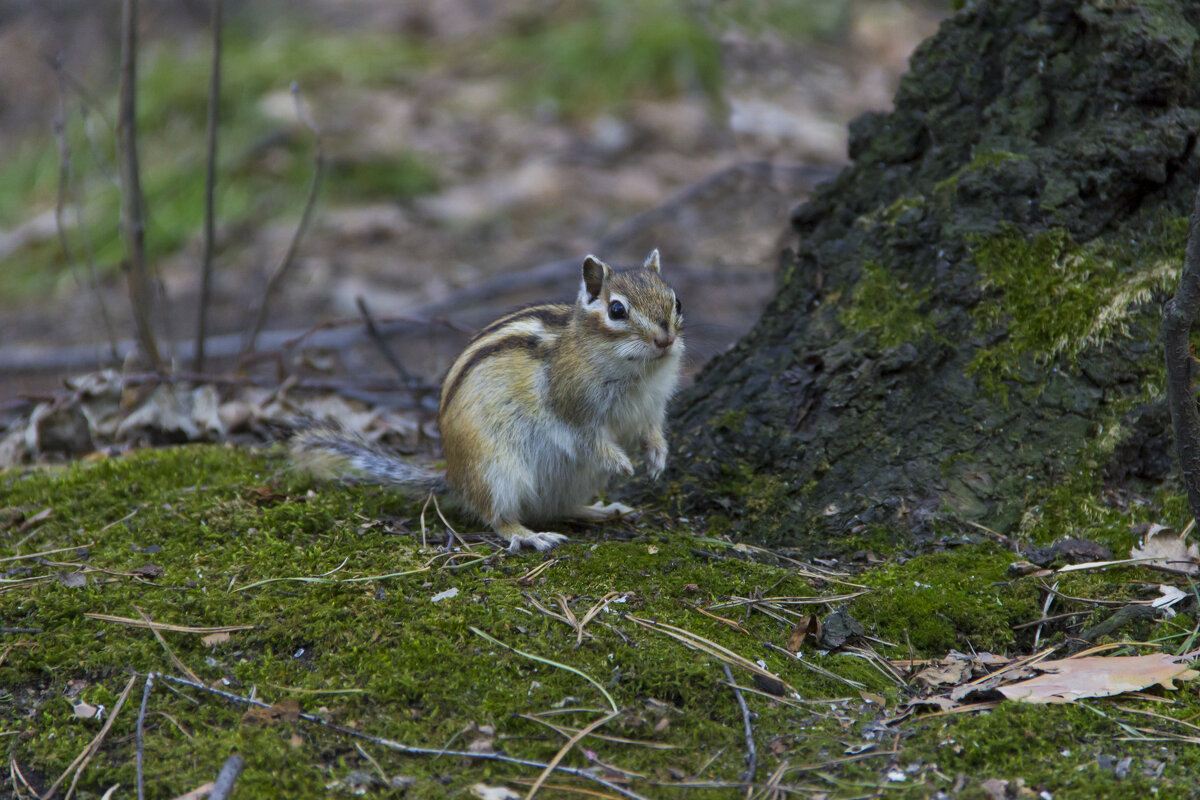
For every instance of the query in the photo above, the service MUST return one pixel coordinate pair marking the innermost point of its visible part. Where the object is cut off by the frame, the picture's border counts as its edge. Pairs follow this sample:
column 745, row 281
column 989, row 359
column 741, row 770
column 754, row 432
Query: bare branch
column 381, row 343
column 1178, row 319
column 227, row 777
column 751, row 750
column 133, row 221
column 65, row 188
column 141, row 726
column 285, row 266
column 210, row 182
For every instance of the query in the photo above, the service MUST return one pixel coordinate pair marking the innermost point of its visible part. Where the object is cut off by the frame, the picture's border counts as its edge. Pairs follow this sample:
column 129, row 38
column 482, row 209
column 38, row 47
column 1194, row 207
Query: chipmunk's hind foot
column 598, row 512
column 517, row 536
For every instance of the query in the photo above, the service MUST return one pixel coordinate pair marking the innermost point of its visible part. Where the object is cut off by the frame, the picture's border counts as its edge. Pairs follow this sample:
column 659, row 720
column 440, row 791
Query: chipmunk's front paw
column 656, row 451
column 538, row 540
column 656, row 456
column 614, row 459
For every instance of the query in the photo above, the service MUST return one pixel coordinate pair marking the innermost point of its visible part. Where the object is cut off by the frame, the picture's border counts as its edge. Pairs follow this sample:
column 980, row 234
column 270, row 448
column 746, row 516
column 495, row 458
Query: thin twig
column 141, row 725
column 133, row 218
column 409, row 749
column 1178, row 319
column 228, row 776
column 289, row 258
column 65, row 189
column 751, row 750
column 210, row 182
column 381, row 343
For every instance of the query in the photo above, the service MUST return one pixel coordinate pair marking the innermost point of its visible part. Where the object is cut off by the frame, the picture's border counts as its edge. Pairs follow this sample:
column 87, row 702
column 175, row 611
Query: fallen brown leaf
column 808, row 625
column 1098, row 676
column 1167, row 550
column 284, row 711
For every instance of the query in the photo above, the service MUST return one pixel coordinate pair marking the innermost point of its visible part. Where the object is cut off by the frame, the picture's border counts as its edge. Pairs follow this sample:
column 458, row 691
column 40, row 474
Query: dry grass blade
column 81, row 761
column 567, row 731
column 612, row 703
column 163, row 626
column 179, row 665
column 528, row 578
column 723, row 620
column 453, row 534
column 304, row 579
column 566, row 748
column 801, row 569
column 46, row 552
column 735, row 601
column 796, row 657
column 1159, row 716
column 878, row 662
column 698, row 642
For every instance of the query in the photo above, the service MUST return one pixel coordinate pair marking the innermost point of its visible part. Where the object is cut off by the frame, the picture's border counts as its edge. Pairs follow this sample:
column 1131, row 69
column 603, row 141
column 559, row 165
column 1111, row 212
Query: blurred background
column 474, row 151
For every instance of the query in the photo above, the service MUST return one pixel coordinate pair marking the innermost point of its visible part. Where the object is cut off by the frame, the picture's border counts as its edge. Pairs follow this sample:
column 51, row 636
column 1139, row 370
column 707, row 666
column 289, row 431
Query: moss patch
column 241, row 541
column 891, row 311
column 1054, row 298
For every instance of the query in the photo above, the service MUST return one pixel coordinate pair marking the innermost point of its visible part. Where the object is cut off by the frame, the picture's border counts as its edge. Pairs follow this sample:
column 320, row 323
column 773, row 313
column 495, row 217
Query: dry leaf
column 1169, row 597
column 85, row 710
column 147, row 571
column 950, row 672
column 285, row 711
column 214, row 639
column 1168, row 551
column 808, row 624
column 72, row 580
column 1098, row 676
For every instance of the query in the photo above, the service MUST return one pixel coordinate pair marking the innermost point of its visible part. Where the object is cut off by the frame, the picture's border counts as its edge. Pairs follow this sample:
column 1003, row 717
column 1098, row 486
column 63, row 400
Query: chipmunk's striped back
column 533, row 330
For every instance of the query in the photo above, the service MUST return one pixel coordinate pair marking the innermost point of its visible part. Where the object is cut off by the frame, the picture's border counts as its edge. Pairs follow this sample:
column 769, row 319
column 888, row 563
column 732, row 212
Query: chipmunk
column 541, row 408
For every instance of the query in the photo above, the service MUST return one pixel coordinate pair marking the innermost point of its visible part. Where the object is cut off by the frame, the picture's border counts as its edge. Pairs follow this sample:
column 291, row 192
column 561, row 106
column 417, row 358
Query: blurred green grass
column 579, row 60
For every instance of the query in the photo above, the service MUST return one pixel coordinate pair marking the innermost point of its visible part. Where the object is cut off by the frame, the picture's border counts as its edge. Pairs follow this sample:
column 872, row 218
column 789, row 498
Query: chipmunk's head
column 633, row 315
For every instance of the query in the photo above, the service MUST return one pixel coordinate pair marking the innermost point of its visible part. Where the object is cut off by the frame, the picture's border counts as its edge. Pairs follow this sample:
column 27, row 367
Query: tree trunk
column 970, row 321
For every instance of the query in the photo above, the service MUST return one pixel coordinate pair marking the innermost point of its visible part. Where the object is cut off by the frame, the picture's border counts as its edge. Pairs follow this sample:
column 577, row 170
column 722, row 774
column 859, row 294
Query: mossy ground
column 381, row 657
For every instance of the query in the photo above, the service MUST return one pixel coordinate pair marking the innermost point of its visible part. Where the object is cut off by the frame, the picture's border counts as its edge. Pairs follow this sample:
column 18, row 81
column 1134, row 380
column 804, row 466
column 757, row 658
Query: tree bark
column 970, row 318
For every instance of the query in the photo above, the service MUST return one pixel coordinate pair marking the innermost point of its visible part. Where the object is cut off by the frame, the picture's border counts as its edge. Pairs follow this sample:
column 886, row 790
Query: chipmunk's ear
column 651, row 261
column 595, row 273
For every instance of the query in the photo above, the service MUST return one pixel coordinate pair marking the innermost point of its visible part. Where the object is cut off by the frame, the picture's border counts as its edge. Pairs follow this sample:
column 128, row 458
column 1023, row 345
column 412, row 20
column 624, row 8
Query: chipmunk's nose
column 664, row 339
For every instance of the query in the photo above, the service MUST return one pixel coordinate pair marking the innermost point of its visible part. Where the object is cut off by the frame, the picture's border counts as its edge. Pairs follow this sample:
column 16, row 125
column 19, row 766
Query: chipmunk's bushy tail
column 332, row 453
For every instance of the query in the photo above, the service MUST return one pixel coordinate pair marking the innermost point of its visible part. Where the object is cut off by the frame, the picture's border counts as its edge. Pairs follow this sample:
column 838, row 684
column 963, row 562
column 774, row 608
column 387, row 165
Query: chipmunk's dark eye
column 616, row 310
column 678, row 308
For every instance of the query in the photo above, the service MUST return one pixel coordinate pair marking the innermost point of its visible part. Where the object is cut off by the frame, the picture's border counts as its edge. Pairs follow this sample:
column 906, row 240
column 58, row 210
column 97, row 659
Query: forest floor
column 344, row 641
column 339, row 640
